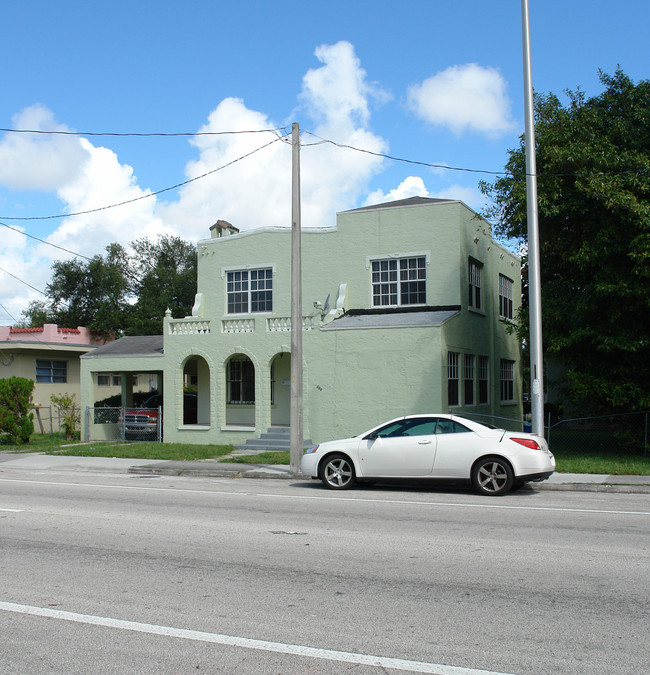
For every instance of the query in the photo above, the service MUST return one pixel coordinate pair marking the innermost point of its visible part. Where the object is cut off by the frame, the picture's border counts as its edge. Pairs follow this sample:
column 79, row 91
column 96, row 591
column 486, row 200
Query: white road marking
column 12, row 510
column 337, row 498
column 246, row 643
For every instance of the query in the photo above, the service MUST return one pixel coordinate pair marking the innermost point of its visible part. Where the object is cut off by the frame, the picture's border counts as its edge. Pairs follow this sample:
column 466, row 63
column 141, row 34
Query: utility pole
column 296, row 448
column 534, row 276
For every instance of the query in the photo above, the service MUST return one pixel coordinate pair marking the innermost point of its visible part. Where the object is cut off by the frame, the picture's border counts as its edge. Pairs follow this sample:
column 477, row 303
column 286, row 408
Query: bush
column 15, row 401
column 70, row 412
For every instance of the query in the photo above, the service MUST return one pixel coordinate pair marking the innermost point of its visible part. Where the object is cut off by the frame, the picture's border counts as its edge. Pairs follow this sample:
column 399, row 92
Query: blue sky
column 435, row 81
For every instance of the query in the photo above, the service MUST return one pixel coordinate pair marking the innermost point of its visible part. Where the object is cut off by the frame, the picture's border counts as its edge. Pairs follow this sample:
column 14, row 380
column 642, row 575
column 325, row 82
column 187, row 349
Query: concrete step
column 274, row 439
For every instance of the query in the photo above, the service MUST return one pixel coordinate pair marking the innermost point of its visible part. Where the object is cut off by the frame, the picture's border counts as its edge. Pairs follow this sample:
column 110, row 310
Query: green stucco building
column 405, row 310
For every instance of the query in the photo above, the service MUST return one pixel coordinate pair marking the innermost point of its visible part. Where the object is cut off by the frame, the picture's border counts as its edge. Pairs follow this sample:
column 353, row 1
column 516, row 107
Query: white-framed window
column 475, row 269
column 399, row 281
column 241, row 381
column 468, row 379
column 249, row 291
column 505, row 297
column 483, row 379
column 51, row 371
column 115, row 380
column 453, row 397
column 507, row 377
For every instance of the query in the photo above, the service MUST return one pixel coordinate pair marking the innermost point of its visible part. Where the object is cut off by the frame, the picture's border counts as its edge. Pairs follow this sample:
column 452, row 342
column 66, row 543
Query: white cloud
column 470, row 196
column 464, row 98
column 104, row 181
column 250, row 193
column 412, row 186
column 256, row 192
column 38, row 161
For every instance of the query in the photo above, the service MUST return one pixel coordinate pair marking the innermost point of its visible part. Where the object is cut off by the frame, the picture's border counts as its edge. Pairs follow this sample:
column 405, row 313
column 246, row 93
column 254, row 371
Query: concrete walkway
column 215, row 468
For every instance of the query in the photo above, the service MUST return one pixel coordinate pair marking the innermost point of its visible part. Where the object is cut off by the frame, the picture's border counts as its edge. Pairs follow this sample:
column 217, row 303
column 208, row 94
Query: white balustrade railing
column 189, row 326
column 238, row 326
column 282, row 324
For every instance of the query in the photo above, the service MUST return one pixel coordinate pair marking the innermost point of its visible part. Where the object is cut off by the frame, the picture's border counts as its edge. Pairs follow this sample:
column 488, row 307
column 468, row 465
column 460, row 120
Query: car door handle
column 424, row 442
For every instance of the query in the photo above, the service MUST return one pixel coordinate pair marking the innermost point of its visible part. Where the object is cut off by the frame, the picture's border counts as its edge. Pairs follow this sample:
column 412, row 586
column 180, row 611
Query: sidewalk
column 208, row 468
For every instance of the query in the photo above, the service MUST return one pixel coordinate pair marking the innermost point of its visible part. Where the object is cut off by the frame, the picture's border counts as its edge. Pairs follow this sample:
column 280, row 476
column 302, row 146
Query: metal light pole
column 296, row 439
column 534, row 277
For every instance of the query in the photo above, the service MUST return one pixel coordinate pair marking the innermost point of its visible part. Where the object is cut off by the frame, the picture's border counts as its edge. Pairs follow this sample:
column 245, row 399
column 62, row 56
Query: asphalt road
column 133, row 574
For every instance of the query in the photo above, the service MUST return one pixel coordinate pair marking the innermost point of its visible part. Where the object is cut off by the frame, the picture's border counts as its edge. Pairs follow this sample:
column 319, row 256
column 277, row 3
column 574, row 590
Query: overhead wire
column 22, row 281
column 149, row 194
column 63, row 132
column 43, row 241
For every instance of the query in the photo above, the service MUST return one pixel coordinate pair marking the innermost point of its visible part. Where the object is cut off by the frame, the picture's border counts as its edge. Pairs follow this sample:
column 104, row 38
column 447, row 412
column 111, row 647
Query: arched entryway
column 281, row 389
column 196, row 391
column 240, row 391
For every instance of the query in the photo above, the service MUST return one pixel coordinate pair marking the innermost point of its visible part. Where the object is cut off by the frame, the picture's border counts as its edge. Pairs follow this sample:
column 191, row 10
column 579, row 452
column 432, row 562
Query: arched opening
column 281, row 389
column 240, row 391
column 196, row 392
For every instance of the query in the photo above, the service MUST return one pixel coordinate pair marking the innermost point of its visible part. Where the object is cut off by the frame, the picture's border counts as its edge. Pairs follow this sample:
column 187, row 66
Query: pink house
column 49, row 355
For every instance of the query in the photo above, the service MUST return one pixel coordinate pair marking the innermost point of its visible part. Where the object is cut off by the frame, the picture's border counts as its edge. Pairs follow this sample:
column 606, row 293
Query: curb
column 256, row 473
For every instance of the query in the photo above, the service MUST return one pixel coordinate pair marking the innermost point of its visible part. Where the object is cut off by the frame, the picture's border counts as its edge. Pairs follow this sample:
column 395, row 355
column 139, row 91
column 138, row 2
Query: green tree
column 38, row 313
column 93, row 294
column 121, row 293
column 164, row 276
column 593, row 165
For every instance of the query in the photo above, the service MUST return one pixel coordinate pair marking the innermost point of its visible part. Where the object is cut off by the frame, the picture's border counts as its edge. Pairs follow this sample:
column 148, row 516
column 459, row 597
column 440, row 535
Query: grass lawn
column 54, row 445
column 569, row 459
column 262, row 458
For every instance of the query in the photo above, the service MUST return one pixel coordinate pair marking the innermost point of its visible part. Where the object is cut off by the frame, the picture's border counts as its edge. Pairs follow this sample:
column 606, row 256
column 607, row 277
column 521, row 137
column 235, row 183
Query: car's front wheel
column 337, row 472
column 492, row 476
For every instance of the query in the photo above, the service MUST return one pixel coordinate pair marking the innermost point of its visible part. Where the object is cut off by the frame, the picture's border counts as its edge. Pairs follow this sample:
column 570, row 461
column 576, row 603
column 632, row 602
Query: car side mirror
column 371, row 437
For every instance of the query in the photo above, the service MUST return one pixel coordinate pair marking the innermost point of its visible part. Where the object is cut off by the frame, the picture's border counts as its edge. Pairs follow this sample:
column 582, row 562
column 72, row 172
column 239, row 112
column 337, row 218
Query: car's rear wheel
column 337, row 472
column 492, row 476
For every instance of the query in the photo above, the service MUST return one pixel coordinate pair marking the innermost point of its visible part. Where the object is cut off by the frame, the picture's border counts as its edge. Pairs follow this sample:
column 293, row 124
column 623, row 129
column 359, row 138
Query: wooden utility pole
column 296, row 448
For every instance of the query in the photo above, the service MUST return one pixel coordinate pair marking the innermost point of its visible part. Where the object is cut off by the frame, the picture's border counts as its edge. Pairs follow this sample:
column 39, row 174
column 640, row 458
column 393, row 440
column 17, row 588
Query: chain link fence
column 507, row 423
column 625, row 434
column 47, row 419
column 125, row 424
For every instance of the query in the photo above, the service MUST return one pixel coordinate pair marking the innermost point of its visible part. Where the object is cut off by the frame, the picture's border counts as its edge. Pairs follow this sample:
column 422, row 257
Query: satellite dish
column 326, row 305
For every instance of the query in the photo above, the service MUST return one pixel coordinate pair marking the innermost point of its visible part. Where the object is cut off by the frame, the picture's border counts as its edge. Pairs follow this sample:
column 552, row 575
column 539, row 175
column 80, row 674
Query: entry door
column 405, row 456
column 403, row 448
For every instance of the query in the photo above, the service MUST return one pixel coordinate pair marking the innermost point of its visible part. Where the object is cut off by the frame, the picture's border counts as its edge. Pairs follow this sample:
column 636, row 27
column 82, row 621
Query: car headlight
column 312, row 449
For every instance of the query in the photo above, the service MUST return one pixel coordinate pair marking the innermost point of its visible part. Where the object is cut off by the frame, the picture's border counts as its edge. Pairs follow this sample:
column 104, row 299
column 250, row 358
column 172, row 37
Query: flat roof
column 425, row 316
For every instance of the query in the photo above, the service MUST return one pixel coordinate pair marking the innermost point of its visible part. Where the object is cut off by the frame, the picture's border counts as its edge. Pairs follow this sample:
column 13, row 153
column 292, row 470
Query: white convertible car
column 433, row 446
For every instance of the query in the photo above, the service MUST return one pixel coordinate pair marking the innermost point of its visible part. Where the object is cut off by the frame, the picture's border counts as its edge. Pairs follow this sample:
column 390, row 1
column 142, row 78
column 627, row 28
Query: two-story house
column 405, row 306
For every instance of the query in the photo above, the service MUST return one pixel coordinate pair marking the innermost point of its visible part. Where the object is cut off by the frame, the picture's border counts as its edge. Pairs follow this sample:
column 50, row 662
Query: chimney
column 222, row 228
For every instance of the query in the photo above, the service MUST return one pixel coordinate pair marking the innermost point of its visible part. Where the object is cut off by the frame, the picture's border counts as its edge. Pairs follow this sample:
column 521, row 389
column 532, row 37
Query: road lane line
column 12, row 510
column 246, row 643
column 337, row 498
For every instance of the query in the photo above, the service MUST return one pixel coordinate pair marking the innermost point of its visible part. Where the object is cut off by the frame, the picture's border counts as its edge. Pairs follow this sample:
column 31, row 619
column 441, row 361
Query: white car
column 433, row 446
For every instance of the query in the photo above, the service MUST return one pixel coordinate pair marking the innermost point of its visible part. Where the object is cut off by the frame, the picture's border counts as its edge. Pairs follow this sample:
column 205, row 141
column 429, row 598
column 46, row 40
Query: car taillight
column 526, row 442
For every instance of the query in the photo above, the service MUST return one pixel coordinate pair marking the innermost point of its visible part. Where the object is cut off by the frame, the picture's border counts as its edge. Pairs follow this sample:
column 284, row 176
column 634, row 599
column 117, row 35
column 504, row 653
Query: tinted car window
column 420, row 428
column 450, row 427
column 411, row 427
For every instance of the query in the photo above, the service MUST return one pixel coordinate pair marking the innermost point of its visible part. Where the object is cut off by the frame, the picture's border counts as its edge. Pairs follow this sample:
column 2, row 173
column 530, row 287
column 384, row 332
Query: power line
column 141, row 135
column 405, row 161
column 22, row 281
column 149, row 194
column 43, row 241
